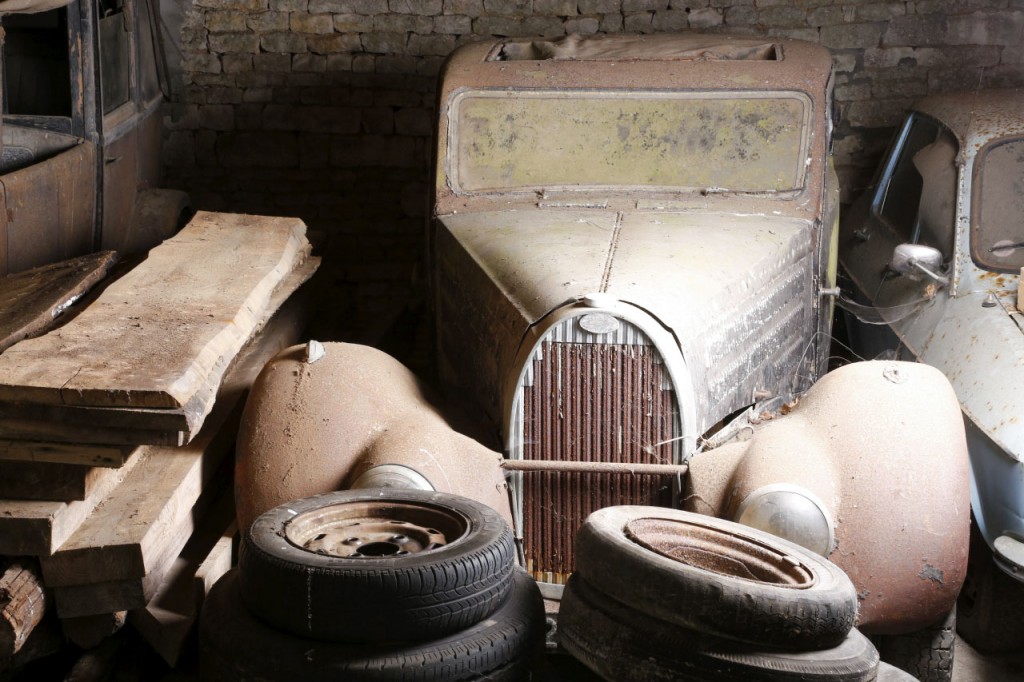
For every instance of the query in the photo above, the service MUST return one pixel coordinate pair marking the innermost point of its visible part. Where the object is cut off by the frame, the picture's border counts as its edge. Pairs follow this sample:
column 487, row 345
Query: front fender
column 315, row 427
column 882, row 445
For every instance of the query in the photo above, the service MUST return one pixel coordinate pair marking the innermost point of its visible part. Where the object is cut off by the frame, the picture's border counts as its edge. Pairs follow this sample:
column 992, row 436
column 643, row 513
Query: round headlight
column 392, row 476
column 791, row 512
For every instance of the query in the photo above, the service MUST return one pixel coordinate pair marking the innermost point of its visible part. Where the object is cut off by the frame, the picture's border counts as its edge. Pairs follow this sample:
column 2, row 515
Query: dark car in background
column 81, row 132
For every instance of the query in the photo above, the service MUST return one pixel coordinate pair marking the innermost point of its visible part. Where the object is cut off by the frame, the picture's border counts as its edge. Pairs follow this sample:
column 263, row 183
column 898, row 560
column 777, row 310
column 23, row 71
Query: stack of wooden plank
column 117, row 427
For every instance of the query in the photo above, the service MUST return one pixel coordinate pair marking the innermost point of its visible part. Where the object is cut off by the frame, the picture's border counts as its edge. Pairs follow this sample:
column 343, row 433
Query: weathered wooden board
column 158, row 497
column 23, row 603
column 47, row 481
column 65, row 453
column 73, row 601
column 170, row 615
column 138, row 418
column 87, row 632
column 134, row 426
column 125, row 537
column 38, row 528
column 153, row 338
column 28, row 429
column 44, row 641
column 31, row 301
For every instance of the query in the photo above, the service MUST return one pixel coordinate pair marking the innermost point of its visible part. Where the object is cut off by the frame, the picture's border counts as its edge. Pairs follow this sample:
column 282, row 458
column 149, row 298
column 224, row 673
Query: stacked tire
column 663, row 594
column 374, row 585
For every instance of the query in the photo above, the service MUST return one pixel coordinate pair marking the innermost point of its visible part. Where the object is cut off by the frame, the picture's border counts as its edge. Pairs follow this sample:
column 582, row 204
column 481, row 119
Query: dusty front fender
column 314, row 427
column 881, row 445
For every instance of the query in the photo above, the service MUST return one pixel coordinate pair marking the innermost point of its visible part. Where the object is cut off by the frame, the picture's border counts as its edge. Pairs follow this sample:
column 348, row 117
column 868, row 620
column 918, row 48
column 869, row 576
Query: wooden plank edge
column 168, row 620
column 38, row 528
column 135, row 593
column 109, row 456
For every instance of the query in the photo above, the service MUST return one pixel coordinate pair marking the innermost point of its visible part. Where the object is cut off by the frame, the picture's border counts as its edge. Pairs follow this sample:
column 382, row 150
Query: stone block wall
column 323, row 109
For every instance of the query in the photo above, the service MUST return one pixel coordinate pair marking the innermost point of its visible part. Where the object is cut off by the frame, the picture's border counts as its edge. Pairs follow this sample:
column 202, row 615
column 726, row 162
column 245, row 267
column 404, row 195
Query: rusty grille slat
column 590, row 402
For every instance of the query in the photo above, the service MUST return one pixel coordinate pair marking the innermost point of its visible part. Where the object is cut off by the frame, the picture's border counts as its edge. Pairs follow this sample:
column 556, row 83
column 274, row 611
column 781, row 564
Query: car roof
column 978, row 116
column 661, row 61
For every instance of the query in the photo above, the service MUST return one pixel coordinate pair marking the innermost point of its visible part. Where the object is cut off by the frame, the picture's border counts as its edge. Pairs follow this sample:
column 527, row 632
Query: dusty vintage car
column 81, row 132
column 935, row 249
column 633, row 263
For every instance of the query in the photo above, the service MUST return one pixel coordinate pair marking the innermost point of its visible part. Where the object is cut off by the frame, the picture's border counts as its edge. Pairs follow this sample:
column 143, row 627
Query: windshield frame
column 800, row 171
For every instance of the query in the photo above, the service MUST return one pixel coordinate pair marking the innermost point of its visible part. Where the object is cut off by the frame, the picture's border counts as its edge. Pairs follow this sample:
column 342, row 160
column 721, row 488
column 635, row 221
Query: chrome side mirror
column 912, row 259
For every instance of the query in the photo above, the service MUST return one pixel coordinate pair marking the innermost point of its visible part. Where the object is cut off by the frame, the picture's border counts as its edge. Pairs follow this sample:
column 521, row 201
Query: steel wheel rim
column 376, row 529
column 726, row 553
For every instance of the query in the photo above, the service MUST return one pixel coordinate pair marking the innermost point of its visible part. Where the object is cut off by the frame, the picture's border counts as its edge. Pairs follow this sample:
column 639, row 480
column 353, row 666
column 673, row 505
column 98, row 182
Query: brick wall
column 323, row 109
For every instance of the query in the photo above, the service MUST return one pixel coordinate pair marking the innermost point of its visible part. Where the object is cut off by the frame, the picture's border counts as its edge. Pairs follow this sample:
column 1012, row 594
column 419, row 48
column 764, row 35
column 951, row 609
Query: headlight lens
column 791, row 512
column 392, row 476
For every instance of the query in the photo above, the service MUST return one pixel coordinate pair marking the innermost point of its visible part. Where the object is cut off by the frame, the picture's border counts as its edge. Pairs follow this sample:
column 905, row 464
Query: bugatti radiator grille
column 596, row 402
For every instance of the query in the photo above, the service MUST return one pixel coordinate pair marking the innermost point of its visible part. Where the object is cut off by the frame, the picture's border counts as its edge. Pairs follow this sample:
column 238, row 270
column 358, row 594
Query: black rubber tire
column 990, row 603
column 621, row 643
column 235, row 645
column 816, row 613
column 926, row 654
column 422, row 595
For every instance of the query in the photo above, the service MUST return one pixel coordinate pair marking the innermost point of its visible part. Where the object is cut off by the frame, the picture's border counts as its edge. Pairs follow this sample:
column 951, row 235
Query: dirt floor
column 125, row 658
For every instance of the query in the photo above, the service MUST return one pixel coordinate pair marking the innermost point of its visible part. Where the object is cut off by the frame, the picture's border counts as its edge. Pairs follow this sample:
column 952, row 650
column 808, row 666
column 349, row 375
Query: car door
column 130, row 99
column 48, row 162
column 914, row 201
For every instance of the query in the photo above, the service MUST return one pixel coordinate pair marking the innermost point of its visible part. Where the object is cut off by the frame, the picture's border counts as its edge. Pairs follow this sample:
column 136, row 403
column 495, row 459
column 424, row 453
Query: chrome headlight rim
column 760, row 494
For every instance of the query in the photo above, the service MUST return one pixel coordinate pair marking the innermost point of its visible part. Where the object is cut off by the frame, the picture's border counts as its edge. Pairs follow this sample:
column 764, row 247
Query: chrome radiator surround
column 604, row 396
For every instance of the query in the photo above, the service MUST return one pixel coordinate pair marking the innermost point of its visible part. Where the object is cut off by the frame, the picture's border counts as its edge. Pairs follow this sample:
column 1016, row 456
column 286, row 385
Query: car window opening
column 635, row 48
column 37, row 71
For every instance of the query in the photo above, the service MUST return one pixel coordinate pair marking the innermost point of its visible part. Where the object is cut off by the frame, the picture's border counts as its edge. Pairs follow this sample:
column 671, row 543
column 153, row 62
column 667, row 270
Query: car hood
column 736, row 290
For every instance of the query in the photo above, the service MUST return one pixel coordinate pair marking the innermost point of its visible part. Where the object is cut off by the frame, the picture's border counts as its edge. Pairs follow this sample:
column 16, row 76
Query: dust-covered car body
column 633, row 243
column 632, row 261
column 81, row 131
column 949, row 195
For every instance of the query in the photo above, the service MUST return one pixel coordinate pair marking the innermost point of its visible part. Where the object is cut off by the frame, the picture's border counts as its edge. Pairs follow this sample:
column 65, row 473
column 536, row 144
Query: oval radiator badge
column 598, row 323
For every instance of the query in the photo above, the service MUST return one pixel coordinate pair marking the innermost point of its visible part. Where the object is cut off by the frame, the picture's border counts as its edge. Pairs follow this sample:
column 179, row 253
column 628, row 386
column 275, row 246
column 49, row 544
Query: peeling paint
column 932, row 573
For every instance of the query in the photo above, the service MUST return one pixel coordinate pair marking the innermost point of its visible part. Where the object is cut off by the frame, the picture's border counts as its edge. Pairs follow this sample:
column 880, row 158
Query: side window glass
column 902, row 189
column 996, row 238
column 115, row 68
column 936, row 213
column 37, row 69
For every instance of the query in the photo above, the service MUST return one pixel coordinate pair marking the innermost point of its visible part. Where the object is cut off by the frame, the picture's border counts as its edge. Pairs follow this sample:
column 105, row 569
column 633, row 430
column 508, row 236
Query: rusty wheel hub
column 729, row 554
column 379, row 529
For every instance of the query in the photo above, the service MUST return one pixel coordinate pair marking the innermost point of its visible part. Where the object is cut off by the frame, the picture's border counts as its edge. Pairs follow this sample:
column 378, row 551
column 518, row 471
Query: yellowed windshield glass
column 748, row 142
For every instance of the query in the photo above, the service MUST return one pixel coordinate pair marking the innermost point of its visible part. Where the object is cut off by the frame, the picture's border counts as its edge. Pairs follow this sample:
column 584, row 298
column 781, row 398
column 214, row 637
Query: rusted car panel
column 946, row 156
column 352, row 417
column 907, row 572
column 81, row 131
